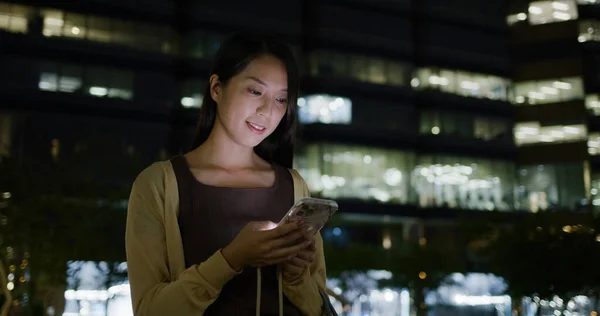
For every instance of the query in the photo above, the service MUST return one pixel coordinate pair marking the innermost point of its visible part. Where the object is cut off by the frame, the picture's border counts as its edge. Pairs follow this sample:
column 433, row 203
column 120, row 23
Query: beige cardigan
column 160, row 284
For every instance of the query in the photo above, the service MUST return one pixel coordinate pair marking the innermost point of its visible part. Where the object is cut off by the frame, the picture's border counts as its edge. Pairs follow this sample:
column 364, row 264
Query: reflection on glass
column 547, row 187
column 342, row 171
column 533, row 133
column 321, row 108
column 463, row 183
column 548, row 91
column 541, row 12
column 461, row 83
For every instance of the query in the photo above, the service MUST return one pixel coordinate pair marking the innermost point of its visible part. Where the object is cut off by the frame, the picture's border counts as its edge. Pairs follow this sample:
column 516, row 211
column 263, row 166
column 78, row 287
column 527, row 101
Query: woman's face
column 251, row 105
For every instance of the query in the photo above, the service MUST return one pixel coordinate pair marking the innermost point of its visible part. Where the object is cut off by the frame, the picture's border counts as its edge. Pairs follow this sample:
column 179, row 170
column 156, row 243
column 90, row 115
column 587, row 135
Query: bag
column 328, row 309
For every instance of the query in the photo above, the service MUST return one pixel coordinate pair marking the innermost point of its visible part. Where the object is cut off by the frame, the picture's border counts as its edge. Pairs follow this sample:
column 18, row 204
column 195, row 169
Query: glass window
column 461, row 83
column 358, row 68
column 121, row 84
column 4, row 15
column 14, row 18
column 589, row 30
column 397, row 73
column 326, row 63
column 326, row 109
column 464, row 125
column 516, row 18
column 490, row 128
column 99, row 29
column 97, row 81
column 74, row 25
column 592, row 103
column 5, row 135
column 548, row 187
column 548, row 91
column 70, row 78
column 53, row 22
column 192, row 93
column 344, row 171
column 149, row 37
column 443, row 181
column 48, row 76
column 541, row 12
column 19, row 18
column 124, row 33
column 430, row 123
column 376, row 71
column 594, row 144
column 533, row 133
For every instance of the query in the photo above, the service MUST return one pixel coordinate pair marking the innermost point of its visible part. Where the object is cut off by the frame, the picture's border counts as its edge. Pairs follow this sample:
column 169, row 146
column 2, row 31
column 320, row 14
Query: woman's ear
column 215, row 88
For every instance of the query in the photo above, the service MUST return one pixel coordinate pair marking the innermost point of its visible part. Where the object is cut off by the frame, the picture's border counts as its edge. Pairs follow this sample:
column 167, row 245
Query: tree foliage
column 57, row 211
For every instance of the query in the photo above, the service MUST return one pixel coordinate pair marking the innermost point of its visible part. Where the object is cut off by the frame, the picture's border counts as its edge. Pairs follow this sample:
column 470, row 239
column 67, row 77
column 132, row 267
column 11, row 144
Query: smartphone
column 312, row 211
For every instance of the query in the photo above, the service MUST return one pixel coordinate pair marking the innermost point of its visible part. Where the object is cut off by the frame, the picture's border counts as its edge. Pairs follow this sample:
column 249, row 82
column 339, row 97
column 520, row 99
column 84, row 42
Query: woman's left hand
column 293, row 268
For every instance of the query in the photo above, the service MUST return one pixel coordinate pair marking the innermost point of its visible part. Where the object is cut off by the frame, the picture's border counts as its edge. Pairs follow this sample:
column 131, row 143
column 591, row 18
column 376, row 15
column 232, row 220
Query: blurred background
column 459, row 137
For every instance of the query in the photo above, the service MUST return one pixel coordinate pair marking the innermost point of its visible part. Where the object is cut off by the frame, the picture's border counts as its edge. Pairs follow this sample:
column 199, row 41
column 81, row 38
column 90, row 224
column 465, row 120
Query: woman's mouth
column 258, row 129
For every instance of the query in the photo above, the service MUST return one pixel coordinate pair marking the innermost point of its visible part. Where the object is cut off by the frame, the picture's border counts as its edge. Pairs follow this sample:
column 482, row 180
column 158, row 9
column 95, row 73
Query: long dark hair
column 234, row 54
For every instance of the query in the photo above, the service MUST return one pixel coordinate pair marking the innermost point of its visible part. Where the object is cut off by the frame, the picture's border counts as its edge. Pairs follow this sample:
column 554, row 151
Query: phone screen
column 314, row 212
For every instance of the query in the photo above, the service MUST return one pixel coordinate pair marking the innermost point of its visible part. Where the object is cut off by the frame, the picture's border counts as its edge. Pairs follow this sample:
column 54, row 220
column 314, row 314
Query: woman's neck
column 221, row 151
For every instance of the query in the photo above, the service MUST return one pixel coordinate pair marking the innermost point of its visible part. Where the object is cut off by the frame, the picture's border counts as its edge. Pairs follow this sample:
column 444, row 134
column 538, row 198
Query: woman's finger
column 306, row 255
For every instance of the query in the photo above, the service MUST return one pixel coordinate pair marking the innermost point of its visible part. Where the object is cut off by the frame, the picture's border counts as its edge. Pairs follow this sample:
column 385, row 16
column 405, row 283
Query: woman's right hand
column 256, row 245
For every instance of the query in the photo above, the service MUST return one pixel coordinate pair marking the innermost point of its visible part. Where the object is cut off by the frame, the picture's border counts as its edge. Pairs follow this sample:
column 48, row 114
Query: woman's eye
column 255, row 92
column 282, row 100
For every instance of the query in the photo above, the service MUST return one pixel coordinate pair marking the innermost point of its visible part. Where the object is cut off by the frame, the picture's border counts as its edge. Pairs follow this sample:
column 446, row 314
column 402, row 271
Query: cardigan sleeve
column 303, row 292
column 152, row 291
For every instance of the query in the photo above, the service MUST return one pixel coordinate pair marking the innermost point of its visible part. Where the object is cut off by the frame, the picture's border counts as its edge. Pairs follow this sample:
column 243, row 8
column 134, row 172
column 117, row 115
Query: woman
column 200, row 225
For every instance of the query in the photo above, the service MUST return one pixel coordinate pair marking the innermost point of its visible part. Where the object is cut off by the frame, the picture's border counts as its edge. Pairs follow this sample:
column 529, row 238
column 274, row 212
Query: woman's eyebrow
column 261, row 82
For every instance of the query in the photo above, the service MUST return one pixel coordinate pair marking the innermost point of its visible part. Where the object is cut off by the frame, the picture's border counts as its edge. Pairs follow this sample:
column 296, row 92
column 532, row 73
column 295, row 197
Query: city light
column 98, row 91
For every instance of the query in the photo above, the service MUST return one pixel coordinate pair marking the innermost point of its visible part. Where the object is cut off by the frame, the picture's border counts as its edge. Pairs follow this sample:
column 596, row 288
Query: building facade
column 412, row 112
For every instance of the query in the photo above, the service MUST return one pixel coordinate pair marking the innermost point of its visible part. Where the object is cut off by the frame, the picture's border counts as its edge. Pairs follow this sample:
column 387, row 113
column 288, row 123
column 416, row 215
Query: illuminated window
column 192, row 93
column 74, row 25
column 461, row 83
column 533, row 133
column 14, row 18
column 99, row 29
column 541, row 12
column 592, row 103
column 548, row 91
column 53, row 22
column 361, row 68
column 547, row 187
column 326, row 109
column 464, row 183
column 516, row 18
column 340, row 171
column 464, row 125
column 589, row 30
column 594, row 144
column 100, row 82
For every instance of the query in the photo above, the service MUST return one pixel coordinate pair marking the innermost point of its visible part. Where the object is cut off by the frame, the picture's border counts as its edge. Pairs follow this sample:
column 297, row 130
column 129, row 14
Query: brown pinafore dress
column 209, row 219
